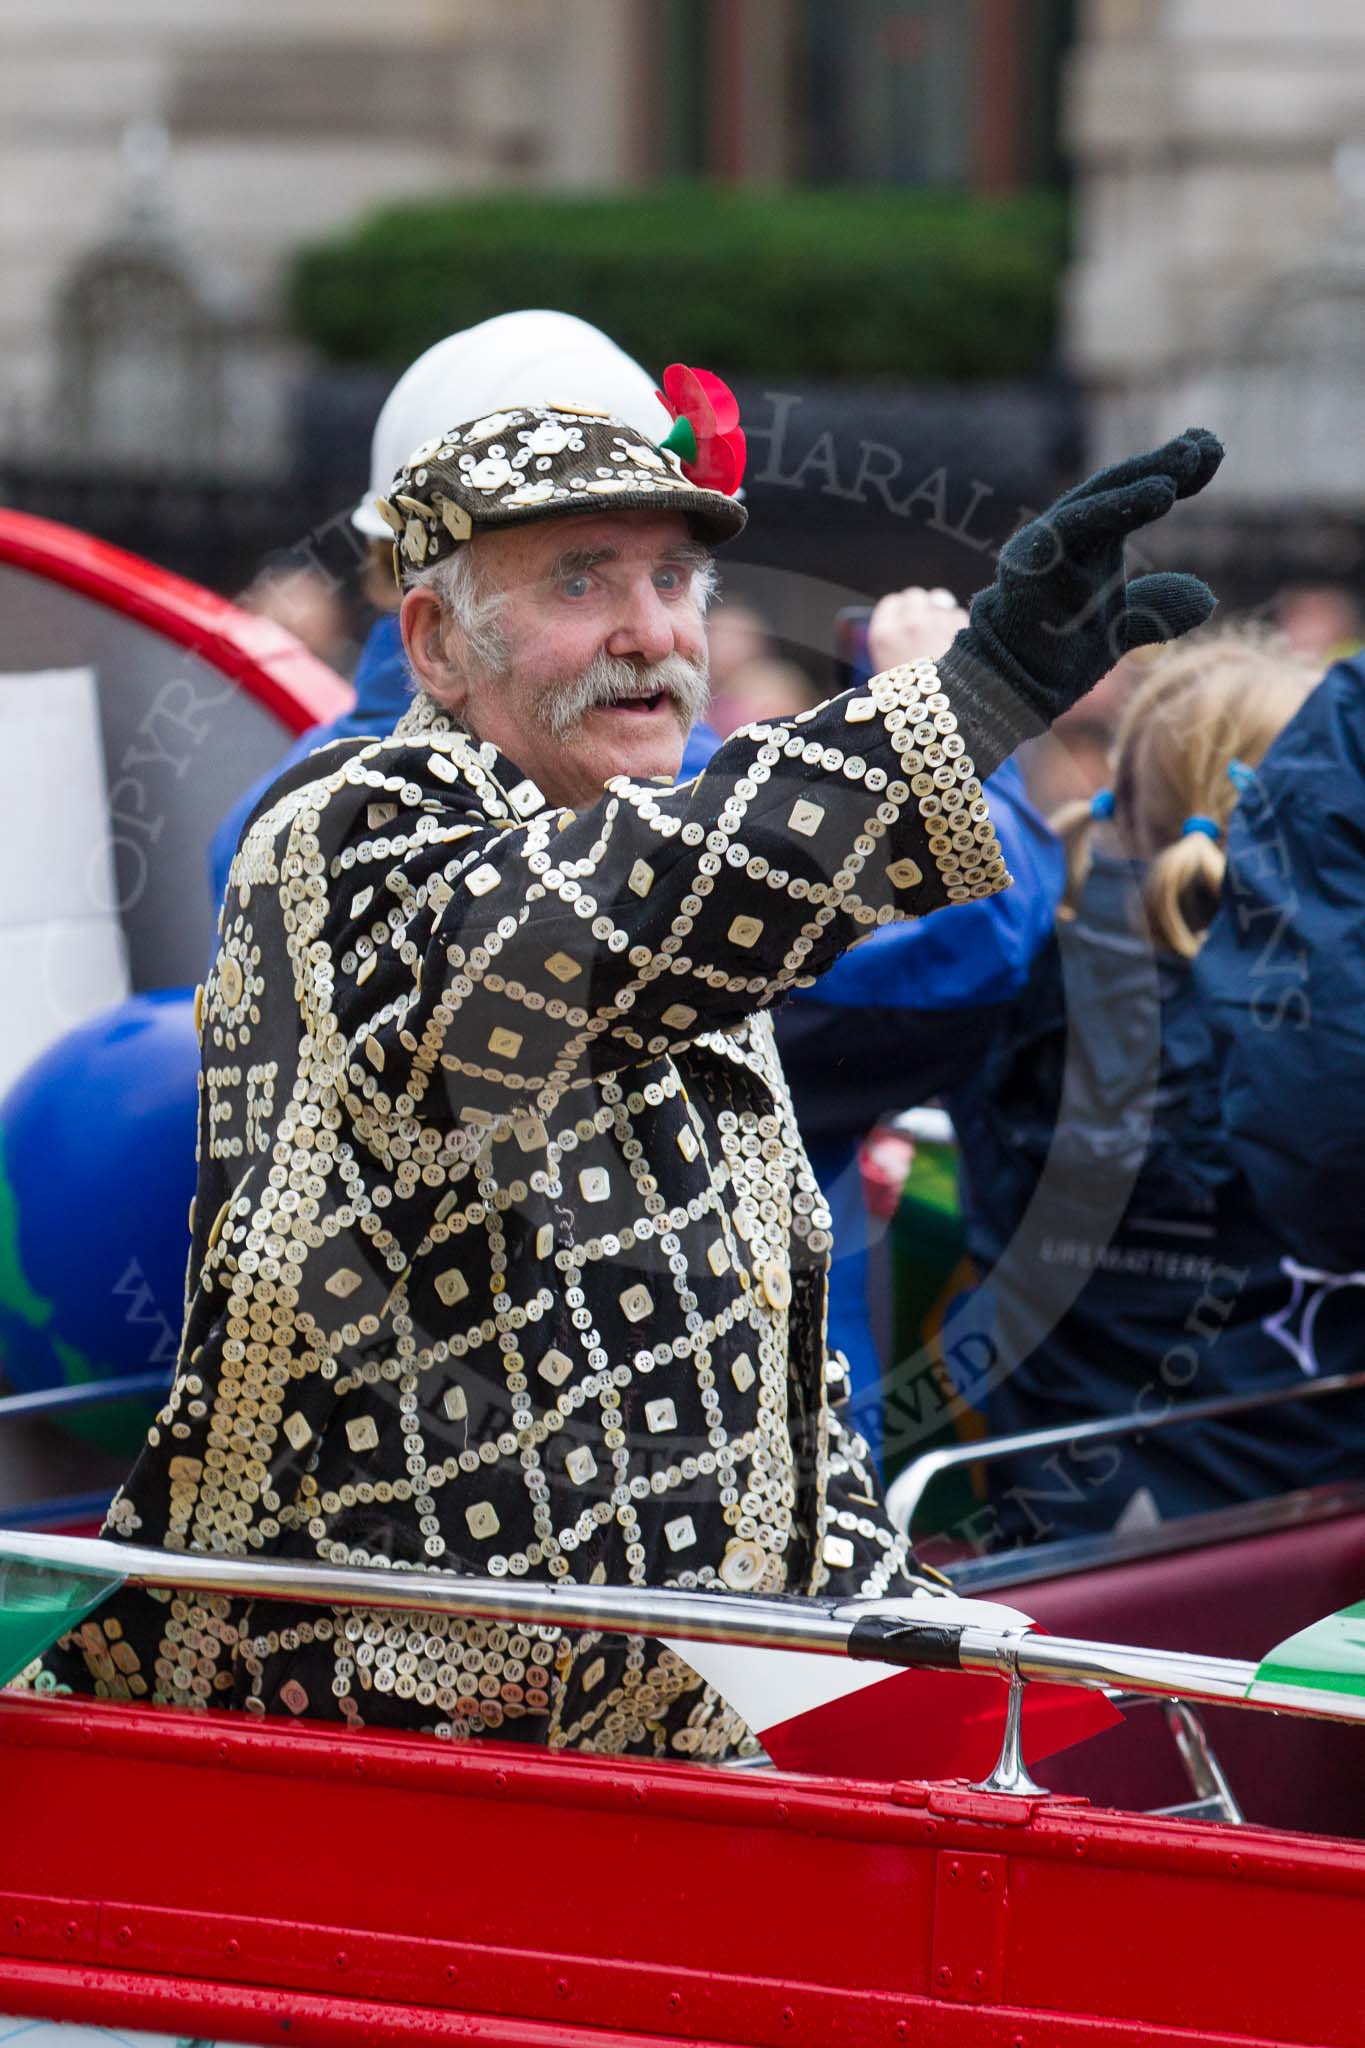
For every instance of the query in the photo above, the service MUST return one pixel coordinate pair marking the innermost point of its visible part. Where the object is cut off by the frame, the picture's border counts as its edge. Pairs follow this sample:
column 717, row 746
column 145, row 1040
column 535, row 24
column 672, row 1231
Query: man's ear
column 427, row 637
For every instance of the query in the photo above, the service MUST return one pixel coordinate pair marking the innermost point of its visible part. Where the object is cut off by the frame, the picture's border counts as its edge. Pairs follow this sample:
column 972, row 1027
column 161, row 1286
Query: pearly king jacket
column 506, row 1254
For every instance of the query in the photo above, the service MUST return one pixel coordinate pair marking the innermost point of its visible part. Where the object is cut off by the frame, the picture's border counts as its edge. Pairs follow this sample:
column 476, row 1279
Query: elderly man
column 507, row 1257
column 518, row 355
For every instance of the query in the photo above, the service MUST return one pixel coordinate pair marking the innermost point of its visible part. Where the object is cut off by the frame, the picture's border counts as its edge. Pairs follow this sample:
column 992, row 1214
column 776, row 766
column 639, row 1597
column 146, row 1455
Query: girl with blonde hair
column 1126, row 1265
column 1194, row 730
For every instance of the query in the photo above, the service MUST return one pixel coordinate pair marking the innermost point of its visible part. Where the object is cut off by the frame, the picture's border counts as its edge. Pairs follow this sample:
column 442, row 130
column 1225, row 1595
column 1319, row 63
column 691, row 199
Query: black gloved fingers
column 1209, row 453
column 1109, row 515
column 1060, row 612
column 1074, row 526
column 1180, row 459
column 1161, row 607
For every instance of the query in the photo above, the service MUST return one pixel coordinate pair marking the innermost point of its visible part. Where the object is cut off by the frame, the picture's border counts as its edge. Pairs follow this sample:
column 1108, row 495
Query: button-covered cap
column 539, row 462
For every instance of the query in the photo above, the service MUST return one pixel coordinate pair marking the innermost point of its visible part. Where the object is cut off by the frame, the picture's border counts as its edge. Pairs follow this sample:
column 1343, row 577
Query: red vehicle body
column 205, row 1876
column 263, row 1884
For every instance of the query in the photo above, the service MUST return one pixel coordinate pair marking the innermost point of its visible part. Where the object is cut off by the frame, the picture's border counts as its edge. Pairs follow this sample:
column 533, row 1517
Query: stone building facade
column 1220, row 247
column 279, row 120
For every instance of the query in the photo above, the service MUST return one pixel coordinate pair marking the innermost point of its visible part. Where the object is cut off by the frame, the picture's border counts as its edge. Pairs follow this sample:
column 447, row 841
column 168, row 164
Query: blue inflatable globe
column 96, row 1173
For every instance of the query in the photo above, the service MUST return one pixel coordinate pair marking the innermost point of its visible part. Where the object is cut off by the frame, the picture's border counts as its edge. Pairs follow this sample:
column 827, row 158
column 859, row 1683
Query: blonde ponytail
column 1074, row 825
column 1215, row 699
column 1181, row 892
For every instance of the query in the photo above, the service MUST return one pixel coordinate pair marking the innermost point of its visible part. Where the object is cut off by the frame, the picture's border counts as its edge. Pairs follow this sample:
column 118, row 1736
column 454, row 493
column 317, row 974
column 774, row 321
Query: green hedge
column 825, row 283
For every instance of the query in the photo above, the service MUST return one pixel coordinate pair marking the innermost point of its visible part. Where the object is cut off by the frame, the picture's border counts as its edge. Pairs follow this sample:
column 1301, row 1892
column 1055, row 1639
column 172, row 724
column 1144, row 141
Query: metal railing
column 927, row 1631
column 906, row 1493
column 89, row 1394
column 999, row 1574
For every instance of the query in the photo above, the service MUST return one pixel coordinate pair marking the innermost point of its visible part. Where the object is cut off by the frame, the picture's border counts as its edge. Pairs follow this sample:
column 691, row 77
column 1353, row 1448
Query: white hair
column 705, row 583
column 476, row 612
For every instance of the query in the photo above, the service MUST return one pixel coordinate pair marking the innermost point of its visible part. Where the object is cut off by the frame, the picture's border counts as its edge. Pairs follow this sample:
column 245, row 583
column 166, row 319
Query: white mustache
column 607, row 680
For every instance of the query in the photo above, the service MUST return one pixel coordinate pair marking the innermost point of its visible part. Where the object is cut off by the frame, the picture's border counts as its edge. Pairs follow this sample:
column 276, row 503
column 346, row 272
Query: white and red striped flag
column 847, row 1717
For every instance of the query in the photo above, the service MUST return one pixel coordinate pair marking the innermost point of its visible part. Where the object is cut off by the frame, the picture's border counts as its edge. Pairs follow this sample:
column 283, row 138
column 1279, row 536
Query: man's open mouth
column 656, row 701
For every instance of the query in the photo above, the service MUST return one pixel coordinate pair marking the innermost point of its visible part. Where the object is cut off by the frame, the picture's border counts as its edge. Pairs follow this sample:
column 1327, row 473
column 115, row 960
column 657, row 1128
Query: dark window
column 889, row 87
column 681, row 37
column 930, row 92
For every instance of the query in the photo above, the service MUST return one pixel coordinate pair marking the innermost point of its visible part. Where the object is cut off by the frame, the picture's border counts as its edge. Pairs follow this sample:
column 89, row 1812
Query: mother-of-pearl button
column 743, row 1566
column 776, row 1283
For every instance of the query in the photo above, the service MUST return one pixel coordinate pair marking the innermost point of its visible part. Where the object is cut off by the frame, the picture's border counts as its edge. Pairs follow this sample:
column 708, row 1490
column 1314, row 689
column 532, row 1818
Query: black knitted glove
column 1061, row 611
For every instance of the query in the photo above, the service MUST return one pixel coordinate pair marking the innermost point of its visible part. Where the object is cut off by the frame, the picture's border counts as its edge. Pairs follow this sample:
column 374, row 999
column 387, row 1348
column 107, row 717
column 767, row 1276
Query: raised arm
column 513, row 958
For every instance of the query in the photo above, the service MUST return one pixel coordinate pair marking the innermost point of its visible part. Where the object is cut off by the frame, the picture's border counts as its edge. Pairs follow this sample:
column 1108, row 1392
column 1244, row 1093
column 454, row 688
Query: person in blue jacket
column 383, row 691
column 893, row 1022
column 1117, row 1206
column 1282, row 976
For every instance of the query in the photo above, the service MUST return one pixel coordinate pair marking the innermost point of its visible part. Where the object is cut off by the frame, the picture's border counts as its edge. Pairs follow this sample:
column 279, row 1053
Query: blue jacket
column 1127, row 1262
column 1283, row 976
column 383, row 687
column 894, row 1023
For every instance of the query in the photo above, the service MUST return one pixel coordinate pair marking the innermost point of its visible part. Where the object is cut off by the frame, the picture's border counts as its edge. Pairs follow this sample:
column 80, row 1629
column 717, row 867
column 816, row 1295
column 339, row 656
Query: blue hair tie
column 1208, row 826
column 1240, row 776
column 1102, row 804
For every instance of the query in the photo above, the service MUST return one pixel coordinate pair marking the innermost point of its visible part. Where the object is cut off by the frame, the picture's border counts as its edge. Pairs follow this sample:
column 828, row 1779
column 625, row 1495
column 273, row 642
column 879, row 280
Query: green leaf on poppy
column 39, row 1602
column 681, row 439
column 1329, row 1656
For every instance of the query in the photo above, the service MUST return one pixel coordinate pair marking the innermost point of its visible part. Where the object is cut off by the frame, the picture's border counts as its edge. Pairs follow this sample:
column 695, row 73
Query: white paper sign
column 62, row 953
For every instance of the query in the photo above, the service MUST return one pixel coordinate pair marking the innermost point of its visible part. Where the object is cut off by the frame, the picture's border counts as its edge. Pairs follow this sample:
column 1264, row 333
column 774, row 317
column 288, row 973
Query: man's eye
column 668, row 579
column 576, row 586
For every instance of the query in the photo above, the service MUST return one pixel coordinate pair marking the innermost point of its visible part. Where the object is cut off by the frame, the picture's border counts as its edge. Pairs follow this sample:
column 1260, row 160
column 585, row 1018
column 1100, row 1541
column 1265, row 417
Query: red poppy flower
column 706, row 434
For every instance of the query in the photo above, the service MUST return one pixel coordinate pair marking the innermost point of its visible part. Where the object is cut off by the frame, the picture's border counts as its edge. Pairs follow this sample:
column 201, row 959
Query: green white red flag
column 1328, row 1656
column 38, row 1603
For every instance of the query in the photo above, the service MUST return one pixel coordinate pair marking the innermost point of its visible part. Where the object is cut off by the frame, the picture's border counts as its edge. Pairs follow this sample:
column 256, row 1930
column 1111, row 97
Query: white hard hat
column 530, row 358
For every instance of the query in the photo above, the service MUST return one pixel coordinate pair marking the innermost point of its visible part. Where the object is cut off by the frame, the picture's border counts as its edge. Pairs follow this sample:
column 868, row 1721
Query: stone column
column 1204, row 135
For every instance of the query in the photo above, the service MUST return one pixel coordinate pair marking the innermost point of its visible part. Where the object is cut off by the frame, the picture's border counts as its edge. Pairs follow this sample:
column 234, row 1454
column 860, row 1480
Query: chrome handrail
column 88, row 1394
column 1208, row 1779
column 906, row 1493
column 929, row 1631
column 1000, row 1573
